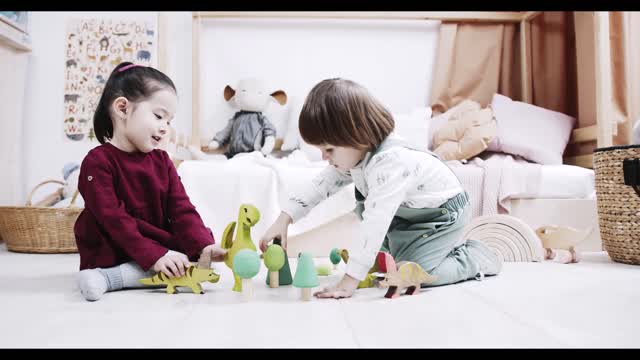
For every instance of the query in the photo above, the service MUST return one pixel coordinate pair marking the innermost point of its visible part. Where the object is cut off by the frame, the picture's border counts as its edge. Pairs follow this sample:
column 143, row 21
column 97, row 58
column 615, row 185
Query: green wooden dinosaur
column 248, row 216
column 192, row 278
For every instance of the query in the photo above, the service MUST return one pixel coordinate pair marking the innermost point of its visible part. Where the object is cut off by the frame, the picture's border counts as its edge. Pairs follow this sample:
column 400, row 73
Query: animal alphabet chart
column 94, row 48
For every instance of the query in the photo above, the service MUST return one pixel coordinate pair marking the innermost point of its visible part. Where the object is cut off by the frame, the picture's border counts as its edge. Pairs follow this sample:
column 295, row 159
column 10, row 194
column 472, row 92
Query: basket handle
column 631, row 173
column 38, row 186
column 73, row 199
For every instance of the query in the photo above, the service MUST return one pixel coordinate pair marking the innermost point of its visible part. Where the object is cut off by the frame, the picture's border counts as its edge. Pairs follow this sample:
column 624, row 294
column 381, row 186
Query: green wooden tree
column 306, row 277
column 284, row 275
column 246, row 264
column 274, row 261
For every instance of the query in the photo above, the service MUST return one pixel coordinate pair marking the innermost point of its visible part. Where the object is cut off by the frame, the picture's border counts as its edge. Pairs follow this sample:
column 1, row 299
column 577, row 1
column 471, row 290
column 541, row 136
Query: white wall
column 393, row 59
column 45, row 148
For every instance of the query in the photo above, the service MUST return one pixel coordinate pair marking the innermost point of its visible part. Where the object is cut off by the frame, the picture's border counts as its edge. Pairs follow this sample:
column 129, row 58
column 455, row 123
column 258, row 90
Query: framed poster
column 93, row 49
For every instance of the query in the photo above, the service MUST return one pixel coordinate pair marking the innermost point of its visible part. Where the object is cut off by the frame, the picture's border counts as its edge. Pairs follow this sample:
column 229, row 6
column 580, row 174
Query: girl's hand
column 216, row 252
column 343, row 289
column 277, row 230
column 172, row 264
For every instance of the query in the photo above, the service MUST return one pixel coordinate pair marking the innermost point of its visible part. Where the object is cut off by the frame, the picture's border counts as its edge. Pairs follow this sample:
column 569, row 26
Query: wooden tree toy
column 284, row 275
column 248, row 216
column 246, row 264
column 323, row 270
column 274, row 261
column 192, row 277
column 306, row 277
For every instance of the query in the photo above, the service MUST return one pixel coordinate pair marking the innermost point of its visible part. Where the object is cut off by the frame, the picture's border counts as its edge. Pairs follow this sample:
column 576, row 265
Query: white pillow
column 537, row 134
column 414, row 126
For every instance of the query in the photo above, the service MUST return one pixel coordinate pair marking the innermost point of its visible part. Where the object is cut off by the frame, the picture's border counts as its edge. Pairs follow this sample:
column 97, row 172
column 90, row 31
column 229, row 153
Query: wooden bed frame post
column 195, row 80
column 603, row 79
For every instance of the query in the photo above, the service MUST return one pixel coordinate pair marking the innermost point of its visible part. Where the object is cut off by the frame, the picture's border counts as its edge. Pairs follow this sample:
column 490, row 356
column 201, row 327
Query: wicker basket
column 618, row 204
column 39, row 229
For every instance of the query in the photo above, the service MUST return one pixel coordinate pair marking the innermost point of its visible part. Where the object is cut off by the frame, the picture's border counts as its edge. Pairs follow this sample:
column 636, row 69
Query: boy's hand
column 172, row 264
column 277, row 230
column 216, row 252
column 343, row 289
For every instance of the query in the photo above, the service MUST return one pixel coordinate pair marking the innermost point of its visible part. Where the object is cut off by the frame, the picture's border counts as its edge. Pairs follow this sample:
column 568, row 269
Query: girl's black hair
column 135, row 83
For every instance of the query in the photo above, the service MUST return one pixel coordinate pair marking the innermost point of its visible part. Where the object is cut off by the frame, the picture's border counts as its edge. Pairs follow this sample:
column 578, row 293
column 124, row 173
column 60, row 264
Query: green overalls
column 431, row 237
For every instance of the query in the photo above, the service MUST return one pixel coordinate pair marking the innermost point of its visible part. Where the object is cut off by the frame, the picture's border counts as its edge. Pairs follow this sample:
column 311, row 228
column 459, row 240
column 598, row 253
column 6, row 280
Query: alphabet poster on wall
column 94, row 48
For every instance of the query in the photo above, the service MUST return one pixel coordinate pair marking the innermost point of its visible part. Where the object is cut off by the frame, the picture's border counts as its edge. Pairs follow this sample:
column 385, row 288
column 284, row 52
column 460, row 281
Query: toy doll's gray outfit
column 411, row 205
column 245, row 132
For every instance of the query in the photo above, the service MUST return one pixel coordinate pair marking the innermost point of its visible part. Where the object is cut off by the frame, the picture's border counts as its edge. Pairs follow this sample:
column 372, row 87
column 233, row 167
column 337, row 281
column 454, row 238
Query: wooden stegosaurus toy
column 191, row 279
column 405, row 275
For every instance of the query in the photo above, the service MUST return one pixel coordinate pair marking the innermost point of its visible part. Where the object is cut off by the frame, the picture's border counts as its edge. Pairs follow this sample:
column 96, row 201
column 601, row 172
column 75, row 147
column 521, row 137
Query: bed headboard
column 202, row 76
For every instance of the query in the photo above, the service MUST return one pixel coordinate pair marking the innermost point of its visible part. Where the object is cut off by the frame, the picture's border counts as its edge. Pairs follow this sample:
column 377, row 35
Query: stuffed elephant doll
column 249, row 129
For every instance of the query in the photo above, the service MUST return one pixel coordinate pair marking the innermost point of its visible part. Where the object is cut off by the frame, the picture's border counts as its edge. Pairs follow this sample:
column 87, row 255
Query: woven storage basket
column 618, row 204
column 39, row 229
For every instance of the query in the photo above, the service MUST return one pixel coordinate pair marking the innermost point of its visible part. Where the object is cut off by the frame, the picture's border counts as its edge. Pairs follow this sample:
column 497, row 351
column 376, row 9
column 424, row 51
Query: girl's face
column 340, row 157
column 146, row 124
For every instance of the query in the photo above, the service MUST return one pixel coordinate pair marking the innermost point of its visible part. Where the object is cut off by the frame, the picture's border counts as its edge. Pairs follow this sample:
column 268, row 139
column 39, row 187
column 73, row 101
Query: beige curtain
column 623, row 28
column 474, row 61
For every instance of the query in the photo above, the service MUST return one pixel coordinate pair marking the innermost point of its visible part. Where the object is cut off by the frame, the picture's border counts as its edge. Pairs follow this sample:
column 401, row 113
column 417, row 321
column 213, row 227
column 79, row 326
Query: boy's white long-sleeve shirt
column 392, row 177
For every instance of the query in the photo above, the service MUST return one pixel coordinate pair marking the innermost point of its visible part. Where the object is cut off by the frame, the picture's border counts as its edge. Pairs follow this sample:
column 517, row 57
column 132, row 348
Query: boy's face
column 340, row 157
column 148, row 122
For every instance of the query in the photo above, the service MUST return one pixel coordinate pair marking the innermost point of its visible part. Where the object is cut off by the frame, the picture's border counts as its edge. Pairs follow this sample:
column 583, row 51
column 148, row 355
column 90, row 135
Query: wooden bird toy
column 561, row 237
column 248, row 216
column 192, row 278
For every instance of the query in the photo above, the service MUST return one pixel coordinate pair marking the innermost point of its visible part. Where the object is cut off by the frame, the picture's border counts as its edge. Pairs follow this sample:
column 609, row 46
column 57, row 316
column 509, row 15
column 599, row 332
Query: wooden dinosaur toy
column 561, row 237
column 192, row 277
column 408, row 275
column 248, row 216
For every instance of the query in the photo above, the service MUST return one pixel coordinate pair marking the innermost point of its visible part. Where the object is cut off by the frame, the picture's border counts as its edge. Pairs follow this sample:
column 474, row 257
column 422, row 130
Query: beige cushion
column 467, row 133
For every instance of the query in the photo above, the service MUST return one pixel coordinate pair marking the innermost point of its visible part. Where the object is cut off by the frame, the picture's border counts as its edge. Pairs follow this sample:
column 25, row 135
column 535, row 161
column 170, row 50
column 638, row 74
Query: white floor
column 595, row 303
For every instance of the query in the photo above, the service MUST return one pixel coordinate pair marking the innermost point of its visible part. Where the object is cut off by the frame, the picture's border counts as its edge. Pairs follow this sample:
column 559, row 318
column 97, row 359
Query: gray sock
column 130, row 274
column 92, row 284
column 95, row 282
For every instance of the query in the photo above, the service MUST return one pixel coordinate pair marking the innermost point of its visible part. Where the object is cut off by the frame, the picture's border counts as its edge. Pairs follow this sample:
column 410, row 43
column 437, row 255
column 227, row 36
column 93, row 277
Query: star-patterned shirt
column 395, row 176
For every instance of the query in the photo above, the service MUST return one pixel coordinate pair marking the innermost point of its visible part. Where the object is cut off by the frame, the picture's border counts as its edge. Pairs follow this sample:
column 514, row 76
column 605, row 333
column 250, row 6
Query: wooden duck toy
column 561, row 237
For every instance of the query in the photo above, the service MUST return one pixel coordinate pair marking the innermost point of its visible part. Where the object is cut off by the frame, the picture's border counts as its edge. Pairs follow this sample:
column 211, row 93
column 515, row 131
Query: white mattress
column 564, row 182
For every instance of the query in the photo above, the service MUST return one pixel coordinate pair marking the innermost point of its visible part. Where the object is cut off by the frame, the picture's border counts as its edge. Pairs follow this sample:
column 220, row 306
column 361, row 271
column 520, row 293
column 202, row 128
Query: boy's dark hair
column 135, row 83
column 341, row 112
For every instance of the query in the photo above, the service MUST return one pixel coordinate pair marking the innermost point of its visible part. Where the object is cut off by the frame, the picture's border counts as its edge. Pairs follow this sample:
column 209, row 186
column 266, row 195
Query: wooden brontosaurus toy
column 248, row 216
column 405, row 274
column 192, row 277
column 561, row 237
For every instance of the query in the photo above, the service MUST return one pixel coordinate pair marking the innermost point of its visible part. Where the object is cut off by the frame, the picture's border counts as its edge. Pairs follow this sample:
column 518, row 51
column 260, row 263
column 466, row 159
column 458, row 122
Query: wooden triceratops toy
column 192, row 277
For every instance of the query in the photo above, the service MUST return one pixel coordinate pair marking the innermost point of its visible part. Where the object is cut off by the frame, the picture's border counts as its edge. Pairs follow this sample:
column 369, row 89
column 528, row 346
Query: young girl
column 137, row 215
column 410, row 203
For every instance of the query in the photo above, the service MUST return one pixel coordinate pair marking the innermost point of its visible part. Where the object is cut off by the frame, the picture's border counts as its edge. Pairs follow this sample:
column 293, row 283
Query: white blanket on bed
column 492, row 179
column 217, row 188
